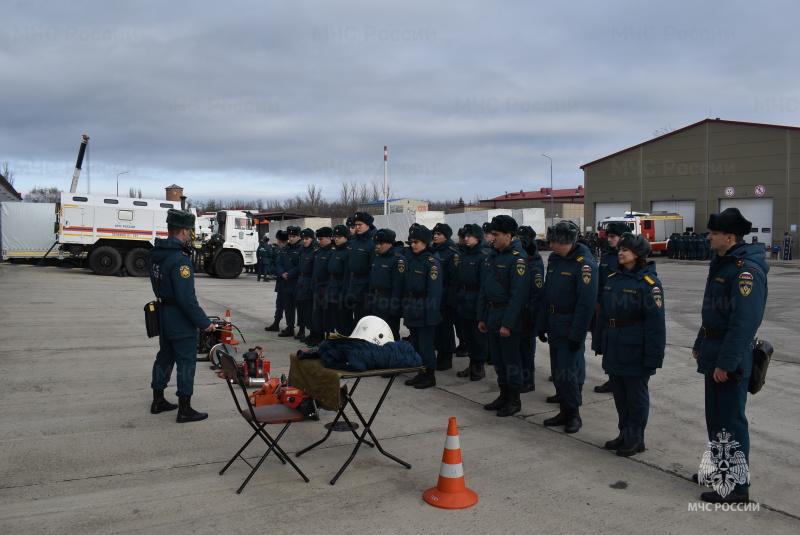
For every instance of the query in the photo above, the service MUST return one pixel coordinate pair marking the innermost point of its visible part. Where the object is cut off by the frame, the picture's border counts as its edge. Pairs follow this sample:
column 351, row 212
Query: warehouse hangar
column 702, row 169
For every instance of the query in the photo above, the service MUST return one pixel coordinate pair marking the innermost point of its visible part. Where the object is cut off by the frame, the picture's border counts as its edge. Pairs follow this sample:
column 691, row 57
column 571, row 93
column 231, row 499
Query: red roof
column 687, row 128
column 542, row 194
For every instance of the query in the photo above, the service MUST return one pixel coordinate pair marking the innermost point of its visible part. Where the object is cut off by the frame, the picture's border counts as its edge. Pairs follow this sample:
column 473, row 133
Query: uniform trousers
column 476, row 342
column 725, row 404
column 527, row 348
column 278, row 306
column 321, row 320
column 632, row 399
column 506, row 359
column 445, row 331
column 567, row 373
column 304, row 310
column 182, row 352
column 289, row 304
column 422, row 339
column 342, row 318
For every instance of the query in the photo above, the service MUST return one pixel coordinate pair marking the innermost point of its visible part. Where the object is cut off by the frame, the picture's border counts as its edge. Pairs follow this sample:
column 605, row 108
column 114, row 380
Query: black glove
column 543, row 336
column 572, row 345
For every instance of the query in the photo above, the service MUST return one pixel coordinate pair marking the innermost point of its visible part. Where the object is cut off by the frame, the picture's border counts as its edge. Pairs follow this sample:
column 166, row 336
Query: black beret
column 730, row 221
column 474, row 230
column 443, row 228
column 617, row 228
column 307, row 233
column 293, row 230
column 282, row 235
column 421, row 233
column 385, row 235
column 364, row 217
column 563, row 232
column 325, row 232
column 179, row 218
column 504, row 223
column 341, row 230
column 487, row 228
column 636, row 243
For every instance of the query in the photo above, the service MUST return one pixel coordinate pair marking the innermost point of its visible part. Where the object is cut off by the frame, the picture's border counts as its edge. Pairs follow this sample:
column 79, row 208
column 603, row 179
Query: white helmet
column 373, row 329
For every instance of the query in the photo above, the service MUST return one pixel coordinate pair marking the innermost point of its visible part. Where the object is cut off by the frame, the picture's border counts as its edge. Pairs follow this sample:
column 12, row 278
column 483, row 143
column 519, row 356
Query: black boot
column 461, row 350
column 444, row 362
column 426, row 381
column 512, row 406
column 616, row 443
column 554, row 399
column 160, row 404
column 574, row 421
column 288, row 331
column 275, row 327
column 500, row 401
column 630, row 449
column 414, row 380
column 301, row 333
column 528, row 388
column 476, row 371
column 186, row 413
column 603, row 388
column 558, row 419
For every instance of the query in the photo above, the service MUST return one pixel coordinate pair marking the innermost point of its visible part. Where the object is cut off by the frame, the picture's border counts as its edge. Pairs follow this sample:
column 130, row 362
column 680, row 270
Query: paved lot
column 82, row 454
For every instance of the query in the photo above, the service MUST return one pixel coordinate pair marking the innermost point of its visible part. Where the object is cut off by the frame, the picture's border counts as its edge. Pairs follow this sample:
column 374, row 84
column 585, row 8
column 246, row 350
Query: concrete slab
column 82, row 454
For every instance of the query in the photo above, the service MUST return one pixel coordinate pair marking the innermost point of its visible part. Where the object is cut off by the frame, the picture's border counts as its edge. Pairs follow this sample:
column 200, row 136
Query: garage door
column 685, row 208
column 603, row 210
column 757, row 211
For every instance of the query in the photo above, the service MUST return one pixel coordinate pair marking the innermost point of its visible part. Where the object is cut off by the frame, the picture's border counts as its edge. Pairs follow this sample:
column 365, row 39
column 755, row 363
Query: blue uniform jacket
column 387, row 281
column 305, row 286
column 280, row 258
column 320, row 275
column 449, row 259
column 290, row 265
column 337, row 270
column 264, row 253
column 172, row 278
column 536, row 269
column 362, row 249
column 734, row 301
column 631, row 296
column 470, row 275
column 609, row 262
column 570, row 283
column 423, row 290
column 504, row 291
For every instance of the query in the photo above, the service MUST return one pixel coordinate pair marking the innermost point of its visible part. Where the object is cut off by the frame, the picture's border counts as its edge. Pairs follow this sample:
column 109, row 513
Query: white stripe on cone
column 451, row 471
column 451, row 443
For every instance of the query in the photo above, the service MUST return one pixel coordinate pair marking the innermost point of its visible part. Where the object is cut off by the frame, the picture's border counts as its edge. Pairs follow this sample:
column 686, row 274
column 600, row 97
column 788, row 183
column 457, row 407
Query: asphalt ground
column 82, row 454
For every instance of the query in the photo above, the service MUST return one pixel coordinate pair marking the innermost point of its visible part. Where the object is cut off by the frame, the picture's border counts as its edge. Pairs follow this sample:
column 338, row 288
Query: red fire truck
column 657, row 227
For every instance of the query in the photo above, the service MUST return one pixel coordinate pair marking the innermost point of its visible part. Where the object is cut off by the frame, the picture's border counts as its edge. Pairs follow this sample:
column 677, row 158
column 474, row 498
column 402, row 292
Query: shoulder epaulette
column 453, row 248
column 649, row 280
column 486, row 252
column 514, row 252
column 611, row 275
column 579, row 259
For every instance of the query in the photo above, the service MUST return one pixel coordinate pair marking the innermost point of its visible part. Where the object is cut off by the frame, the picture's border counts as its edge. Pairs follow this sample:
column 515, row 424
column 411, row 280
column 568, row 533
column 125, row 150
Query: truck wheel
column 136, row 262
column 208, row 267
column 228, row 265
column 105, row 260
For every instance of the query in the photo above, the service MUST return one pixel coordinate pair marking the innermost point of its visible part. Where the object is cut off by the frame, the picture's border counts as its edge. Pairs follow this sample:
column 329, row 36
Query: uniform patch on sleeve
column 586, row 273
column 456, row 260
column 745, row 287
column 659, row 300
column 434, row 272
column 521, row 267
column 649, row 280
column 185, row 272
column 656, row 290
column 401, row 266
column 538, row 280
column 740, row 263
column 746, row 275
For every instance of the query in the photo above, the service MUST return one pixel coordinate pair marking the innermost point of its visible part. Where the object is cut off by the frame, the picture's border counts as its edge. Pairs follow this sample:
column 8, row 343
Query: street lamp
column 122, row 173
column 551, row 188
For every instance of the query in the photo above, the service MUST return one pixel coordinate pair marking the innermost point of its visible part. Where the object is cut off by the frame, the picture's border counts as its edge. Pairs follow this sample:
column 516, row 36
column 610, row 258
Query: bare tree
column 664, row 130
column 135, row 193
column 8, row 173
column 40, row 194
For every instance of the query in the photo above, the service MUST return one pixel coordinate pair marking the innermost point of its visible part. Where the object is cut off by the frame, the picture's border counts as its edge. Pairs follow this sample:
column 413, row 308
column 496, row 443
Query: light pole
column 122, row 173
column 552, row 221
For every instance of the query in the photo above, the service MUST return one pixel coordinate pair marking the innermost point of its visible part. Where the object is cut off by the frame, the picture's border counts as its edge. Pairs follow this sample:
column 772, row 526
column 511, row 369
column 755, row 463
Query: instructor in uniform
column 172, row 278
column 733, row 307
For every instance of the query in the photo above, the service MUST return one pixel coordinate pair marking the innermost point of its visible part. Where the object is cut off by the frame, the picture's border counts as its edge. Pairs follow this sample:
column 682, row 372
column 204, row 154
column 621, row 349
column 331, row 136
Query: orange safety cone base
column 445, row 500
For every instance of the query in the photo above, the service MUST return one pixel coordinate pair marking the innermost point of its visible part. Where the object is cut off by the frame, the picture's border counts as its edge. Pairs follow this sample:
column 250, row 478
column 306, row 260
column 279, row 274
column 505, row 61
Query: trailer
column 27, row 230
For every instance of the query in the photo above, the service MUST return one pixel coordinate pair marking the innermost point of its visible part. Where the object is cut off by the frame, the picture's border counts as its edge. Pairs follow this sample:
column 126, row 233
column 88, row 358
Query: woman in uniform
column 631, row 335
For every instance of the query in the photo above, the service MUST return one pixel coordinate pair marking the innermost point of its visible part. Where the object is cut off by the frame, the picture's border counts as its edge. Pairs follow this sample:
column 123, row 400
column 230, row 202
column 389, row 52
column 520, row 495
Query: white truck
column 116, row 232
column 27, row 230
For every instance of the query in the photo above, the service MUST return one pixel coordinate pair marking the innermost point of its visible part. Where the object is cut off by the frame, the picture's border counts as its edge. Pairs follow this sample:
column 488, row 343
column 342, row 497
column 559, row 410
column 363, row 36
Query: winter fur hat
column 729, row 221
column 179, row 218
column 325, row 232
column 341, row 230
column 351, row 221
column 307, row 233
column 504, row 223
column 364, row 217
column 617, row 228
column 562, row 233
column 474, row 230
column 487, row 228
column 385, row 235
column 636, row 243
column 444, row 228
column 282, row 235
column 421, row 233
column 293, row 230
column 527, row 235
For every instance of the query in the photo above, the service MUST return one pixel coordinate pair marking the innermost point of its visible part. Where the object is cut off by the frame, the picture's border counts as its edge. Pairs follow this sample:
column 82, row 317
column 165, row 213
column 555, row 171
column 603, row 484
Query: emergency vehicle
column 656, row 227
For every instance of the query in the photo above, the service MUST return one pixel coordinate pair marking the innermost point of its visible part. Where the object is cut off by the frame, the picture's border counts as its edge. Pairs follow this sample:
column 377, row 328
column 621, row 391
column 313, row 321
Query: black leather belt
column 168, row 301
column 615, row 324
column 305, row 274
column 417, row 295
column 383, row 292
column 497, row 304
column 561, row 310
column 470, row 287
column 320, row 280
column 716, row 334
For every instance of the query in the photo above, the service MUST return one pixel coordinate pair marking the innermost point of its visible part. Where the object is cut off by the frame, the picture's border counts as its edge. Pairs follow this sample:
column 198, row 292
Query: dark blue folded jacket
column 359, row 355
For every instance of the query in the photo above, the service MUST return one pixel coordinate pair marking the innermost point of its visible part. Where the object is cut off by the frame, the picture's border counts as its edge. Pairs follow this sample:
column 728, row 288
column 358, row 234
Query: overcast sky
column 259, row 99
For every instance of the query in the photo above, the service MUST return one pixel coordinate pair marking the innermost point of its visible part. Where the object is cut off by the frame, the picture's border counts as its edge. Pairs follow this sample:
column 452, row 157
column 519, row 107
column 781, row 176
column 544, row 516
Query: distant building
column 396, row 206
column 561, row 203
column 7, row 191
column 702, row 169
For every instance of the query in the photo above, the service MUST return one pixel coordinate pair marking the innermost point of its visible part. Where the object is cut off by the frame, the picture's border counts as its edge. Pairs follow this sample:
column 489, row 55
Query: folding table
column 323, row 384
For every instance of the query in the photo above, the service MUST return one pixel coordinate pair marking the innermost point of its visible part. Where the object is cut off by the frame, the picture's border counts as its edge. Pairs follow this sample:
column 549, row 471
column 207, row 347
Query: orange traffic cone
column 227, row 331
column 451, row 492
